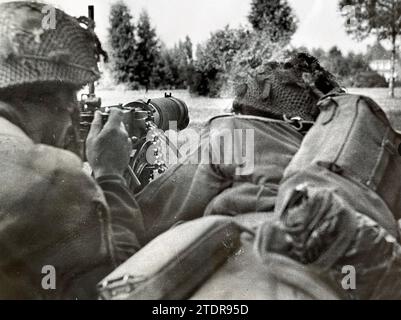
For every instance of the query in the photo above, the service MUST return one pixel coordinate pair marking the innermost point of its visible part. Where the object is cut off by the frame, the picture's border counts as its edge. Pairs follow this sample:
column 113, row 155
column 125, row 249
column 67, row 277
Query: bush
column 369, row 79
column 230, row 54
column 352, row 70
column 214, row 60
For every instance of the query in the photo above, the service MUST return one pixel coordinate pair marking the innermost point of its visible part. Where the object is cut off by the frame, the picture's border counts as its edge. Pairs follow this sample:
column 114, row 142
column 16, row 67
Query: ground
column 201, row 108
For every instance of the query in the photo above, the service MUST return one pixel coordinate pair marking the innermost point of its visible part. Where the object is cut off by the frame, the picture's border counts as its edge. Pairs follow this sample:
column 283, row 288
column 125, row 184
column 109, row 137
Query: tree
column 381, row 17
column 184, row 57
column 190, row 67
column 122, row 43
column 275, row 17
column 339, row 64
column 175, row 77
column 161, row 73
column 352, row 70
column 146, row 51
column 377, row 52
column 188, row 47
column 214, row 60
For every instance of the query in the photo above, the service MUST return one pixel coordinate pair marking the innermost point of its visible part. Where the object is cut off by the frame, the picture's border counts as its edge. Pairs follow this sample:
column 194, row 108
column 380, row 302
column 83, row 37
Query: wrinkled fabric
column 189, row 191
column 52, row 213
column 338, row 204
column 376, row 257
column 322, row 232
column 352, row 148
column 290, row 89
column 249, row 276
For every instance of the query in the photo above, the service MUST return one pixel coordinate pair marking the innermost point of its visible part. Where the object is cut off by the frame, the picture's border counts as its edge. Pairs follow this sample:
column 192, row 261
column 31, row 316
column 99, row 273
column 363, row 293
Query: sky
column 320, row 23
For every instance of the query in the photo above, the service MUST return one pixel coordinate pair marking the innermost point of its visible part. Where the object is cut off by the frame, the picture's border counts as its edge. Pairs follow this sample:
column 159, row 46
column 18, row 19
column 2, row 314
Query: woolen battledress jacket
column 53, row 214
column 190, row 190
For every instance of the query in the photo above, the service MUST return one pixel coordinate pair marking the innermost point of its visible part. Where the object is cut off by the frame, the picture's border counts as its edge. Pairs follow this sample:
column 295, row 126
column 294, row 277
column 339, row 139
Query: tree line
column 141, row 60
column 352, row 69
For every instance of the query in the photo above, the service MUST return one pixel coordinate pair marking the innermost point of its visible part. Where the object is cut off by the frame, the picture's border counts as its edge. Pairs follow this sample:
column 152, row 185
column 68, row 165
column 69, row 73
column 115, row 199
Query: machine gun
column 146, row 123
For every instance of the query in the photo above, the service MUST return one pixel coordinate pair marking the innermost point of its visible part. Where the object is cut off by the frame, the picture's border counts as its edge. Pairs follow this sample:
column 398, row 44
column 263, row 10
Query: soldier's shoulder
column 46, row 159
column 60, row 168
column 63, row 173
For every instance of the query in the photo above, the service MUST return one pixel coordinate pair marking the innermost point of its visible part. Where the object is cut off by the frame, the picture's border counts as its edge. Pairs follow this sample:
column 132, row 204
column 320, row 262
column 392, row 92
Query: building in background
column 380, row 61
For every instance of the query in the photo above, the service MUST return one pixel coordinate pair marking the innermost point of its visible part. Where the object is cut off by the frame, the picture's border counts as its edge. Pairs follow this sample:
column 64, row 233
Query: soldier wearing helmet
column 278, row 105
column 51, row 212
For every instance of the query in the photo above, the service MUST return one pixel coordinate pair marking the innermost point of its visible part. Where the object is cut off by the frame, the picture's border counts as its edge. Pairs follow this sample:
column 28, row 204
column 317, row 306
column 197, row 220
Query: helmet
column 291, row 89
column 35, row 49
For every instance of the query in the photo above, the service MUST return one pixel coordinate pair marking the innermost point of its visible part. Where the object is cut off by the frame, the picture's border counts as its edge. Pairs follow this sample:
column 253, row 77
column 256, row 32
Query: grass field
column 201, row 108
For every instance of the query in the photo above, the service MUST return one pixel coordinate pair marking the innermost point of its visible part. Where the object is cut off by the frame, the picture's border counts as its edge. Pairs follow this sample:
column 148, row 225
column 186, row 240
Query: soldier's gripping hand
column 108, row 148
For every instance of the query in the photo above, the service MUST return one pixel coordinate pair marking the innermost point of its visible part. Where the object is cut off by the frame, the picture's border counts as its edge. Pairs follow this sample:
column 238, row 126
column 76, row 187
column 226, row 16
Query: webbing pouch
column 353, row 140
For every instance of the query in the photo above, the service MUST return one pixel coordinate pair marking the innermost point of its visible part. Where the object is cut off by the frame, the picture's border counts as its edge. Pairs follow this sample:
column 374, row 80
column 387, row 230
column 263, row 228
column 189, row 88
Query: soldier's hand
column 108, row 148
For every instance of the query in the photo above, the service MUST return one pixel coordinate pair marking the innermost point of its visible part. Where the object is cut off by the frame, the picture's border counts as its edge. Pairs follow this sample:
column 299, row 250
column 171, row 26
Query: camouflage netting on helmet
column 36, row 49
column 291, row 89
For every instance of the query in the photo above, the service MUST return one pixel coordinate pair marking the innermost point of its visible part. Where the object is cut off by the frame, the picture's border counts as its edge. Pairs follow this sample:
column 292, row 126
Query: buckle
column 120, row 287
column 299, row 124
column 296, row 122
